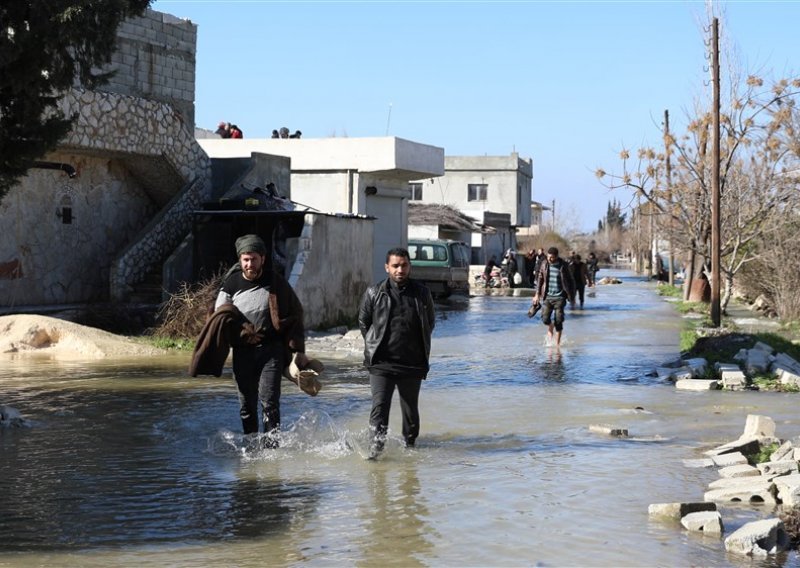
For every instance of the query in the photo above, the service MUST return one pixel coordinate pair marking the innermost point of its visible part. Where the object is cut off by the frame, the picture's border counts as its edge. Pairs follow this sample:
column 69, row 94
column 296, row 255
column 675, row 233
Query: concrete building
column 538, row 225
column 137, row 209
column 139, row 174
column 494, row 190
column 364, row 176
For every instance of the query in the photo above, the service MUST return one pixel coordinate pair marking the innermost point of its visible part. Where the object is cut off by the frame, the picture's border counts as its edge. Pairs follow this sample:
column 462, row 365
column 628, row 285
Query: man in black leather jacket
column 396, row 319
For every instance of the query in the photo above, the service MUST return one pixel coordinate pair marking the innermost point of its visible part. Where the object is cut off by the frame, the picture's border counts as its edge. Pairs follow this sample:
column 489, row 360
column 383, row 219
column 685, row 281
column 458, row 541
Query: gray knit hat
column 250, row 243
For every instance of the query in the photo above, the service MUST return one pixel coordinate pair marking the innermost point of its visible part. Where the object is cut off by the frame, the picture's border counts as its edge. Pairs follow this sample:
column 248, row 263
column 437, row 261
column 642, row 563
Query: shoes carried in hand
column 534, row 309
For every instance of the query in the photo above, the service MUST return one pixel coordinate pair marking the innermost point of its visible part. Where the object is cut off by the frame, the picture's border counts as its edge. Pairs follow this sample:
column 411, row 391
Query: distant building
column 493, row 190
column 537, row 226
column 367, row 176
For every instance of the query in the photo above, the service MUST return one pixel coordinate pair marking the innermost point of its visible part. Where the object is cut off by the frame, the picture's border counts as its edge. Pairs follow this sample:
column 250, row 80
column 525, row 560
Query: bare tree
column 758, row 147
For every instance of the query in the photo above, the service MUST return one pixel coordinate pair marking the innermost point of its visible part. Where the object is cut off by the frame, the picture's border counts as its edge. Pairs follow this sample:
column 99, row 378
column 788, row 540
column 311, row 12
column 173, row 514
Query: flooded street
column 136, row 464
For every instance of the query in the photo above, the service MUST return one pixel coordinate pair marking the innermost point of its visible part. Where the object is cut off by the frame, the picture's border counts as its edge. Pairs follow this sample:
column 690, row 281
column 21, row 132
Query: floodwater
column 135, row 464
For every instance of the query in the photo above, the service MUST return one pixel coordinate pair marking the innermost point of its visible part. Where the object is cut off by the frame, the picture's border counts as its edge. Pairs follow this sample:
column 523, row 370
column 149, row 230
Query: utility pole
column 716, row 319
column 554, row 215
column 671, row 254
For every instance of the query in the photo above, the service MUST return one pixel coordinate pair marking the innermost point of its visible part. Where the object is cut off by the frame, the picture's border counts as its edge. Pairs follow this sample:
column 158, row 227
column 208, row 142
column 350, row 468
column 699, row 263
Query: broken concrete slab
column 787, row 489
column 709, row 522
column 778, row 468
column 697, row 365
column 744, row 445
column 758, row 426
column 741, row 470
column 733, row 458
column 758, row 538
column 697, row 384
column 784, row 451
column 679, row 510
column 756, row 493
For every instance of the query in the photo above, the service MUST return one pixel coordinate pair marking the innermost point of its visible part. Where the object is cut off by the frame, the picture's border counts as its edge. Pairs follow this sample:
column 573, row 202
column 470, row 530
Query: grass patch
column 770, row 383
column 688, row 340
column 669, row 291
column 763, row 454
column 692, row 307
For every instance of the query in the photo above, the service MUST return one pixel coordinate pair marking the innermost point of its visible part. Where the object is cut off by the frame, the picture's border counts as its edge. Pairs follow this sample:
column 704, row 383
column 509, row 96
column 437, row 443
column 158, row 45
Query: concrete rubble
column 774, row 484
column 697, row 375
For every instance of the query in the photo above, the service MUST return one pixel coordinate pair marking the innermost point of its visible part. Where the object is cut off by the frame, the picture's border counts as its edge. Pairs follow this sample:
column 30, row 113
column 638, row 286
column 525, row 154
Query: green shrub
column 762, row 455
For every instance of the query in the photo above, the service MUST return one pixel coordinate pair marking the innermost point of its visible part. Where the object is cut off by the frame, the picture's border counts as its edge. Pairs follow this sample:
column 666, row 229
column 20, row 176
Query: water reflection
column 396, row 516
column 553, row 365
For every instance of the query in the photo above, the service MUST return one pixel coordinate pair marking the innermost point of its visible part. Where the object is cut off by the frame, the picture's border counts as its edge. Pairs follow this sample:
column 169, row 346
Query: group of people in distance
column 259, row 315
column 228, row 130
column 284, row 133
column 556, row 282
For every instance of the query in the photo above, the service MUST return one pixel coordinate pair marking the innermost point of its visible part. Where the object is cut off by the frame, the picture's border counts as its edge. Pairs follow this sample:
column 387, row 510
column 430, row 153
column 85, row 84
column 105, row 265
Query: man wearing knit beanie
column 270, row 305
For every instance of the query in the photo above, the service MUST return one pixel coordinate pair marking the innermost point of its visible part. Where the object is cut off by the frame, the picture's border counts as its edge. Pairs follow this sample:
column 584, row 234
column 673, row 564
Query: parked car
column 442, row 265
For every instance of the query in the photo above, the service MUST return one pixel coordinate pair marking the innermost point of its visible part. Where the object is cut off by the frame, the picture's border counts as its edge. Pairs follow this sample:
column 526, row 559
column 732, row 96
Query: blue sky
column 568, row 84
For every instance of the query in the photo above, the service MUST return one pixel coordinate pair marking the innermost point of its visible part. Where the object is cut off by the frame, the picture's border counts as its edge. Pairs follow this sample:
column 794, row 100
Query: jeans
column 258, row 371
column 382, row 391
column 550, row 305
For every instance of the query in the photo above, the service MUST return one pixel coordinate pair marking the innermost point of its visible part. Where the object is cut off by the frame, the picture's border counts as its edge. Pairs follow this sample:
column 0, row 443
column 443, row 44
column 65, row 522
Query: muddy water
column 133, row 463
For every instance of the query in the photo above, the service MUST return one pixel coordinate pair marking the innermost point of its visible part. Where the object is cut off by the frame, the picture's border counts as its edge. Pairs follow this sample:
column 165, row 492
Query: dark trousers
column 579, row 292
column 553, row 307
column 382, row 391
column 258, row 372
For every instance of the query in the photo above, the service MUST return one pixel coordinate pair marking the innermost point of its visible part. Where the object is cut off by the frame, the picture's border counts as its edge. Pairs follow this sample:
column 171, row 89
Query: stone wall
column 140, row 174
column 156, row 59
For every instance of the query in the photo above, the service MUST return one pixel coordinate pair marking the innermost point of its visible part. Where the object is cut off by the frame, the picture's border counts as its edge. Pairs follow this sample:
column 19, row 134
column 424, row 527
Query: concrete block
column 697, row 366
column 697, row 384
column 741, row 470
column 706, row 521
column 733, row 458
column 758, row 538
column 733, row 380
column 787, row 377
column 757, row 361
column 681, row 374
column 787, row 361
column 758, row 492
column 678, row 510
column 777, row 468
column 787, row 490
column 761, row 346
column 728, row 482
column 720, row 367
column 744, row 445
column 784, row 451
column 758, row 426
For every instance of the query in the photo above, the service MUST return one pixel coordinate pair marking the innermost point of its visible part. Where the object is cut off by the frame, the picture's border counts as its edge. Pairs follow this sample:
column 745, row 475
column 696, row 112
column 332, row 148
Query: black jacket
column 373, row 316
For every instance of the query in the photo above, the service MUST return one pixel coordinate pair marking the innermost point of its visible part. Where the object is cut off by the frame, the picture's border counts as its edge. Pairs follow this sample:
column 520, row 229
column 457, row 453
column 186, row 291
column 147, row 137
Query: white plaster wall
column 362, row 154
column 324, row 191
column 423, row 232
column 332, row 269
column 63, row 263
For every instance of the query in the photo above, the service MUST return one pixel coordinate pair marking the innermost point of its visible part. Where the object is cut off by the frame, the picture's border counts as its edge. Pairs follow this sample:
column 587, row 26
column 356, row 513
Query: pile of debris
column 775, row 483
column 759, row 360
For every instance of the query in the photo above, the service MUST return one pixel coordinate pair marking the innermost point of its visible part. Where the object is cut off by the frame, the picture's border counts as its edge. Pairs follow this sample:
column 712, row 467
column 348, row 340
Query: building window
column 416, row 191
column 476, row 191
